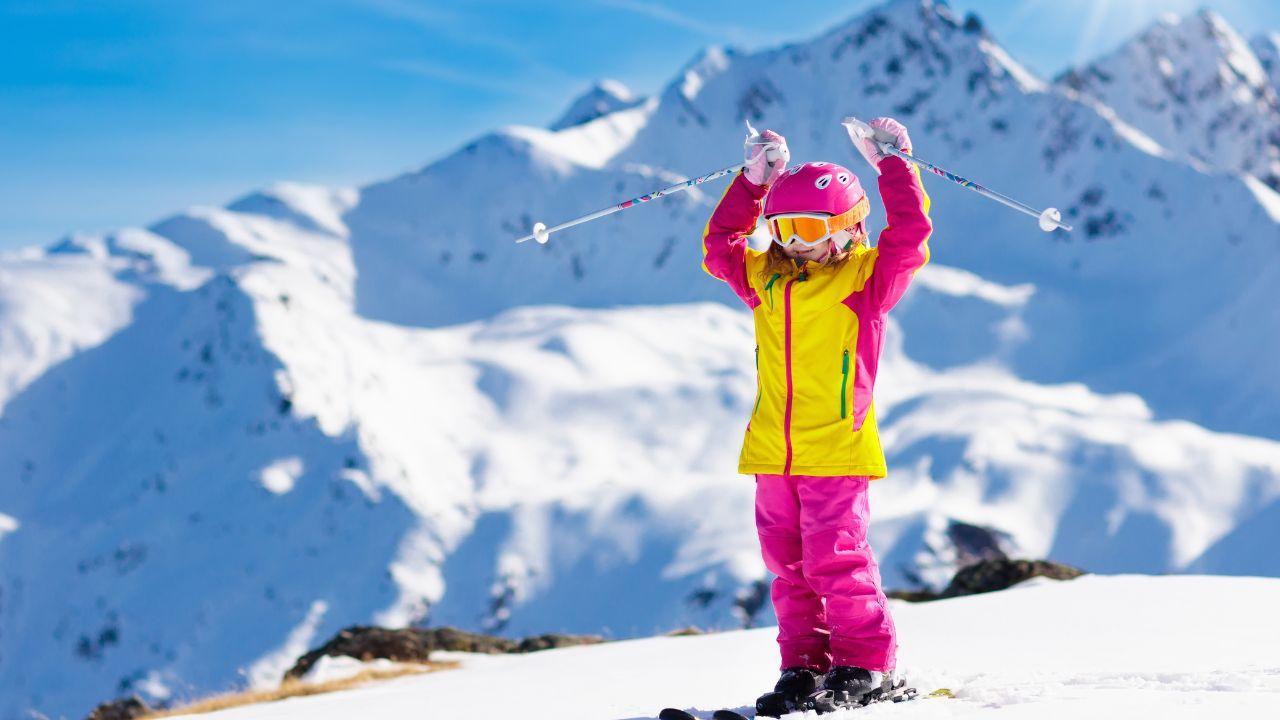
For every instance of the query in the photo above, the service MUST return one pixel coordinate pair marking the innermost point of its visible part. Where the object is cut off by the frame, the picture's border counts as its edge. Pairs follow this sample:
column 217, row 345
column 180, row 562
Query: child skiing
column 819, row 297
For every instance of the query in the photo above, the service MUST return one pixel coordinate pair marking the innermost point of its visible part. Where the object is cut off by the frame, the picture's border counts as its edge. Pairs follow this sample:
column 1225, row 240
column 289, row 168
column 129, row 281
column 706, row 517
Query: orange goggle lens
column 804, row 229
column 811, row 231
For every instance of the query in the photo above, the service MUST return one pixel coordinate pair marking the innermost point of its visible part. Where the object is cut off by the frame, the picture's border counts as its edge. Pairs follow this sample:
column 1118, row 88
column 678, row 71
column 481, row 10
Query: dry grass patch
column 296, row 688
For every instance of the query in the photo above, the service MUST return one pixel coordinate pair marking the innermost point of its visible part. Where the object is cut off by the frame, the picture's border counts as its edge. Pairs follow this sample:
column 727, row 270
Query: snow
column 312, row 206
column 330, row 668
column 1098, row 646
column 1131, row 134
column 511, row 463
column 1267, row 47
column 7, row 525
column 582, row 145
column 1215, row 101
column 606, row 97
column 1027, row 81
column 53, row 306
column 960, row 283
column 268, row 671
column 280, row 476
column 1107, row 311
column 330, row 396
column 712, row 61
column 1267, row 197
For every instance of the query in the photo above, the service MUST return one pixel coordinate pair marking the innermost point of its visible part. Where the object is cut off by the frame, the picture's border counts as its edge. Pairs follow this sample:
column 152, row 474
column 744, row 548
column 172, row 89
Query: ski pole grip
column 882, row 139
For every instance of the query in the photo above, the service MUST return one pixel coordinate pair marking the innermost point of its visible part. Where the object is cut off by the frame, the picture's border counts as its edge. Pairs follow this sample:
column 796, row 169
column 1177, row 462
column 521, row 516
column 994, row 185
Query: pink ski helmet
column 818, row 187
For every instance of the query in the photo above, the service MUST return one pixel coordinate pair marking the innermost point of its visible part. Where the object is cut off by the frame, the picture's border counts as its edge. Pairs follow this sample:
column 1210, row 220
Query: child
column 819, row 297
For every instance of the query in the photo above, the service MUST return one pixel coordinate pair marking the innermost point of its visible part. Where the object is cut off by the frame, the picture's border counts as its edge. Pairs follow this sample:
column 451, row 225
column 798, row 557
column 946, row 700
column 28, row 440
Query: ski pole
column 541, row 232
column 1049, row 218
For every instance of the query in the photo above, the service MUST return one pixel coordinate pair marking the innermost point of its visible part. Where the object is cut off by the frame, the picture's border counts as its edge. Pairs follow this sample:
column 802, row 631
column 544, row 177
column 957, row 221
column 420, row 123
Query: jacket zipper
column 759, row 386
column 786, row 334
column 844, row 384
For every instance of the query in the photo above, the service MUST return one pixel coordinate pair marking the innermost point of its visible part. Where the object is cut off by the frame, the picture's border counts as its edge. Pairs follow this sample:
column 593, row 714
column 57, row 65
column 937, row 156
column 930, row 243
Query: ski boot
column 790, row 693
column 847, row 686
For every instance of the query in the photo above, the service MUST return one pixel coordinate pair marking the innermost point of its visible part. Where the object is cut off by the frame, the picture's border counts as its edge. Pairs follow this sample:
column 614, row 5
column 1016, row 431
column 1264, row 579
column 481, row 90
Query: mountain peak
column 932, row 24
column 1202, row 37
column 1267, row 47
column 908, row 13
column 1211, row 98
column 707, row 64
column 603, row 98
column 1211, row 19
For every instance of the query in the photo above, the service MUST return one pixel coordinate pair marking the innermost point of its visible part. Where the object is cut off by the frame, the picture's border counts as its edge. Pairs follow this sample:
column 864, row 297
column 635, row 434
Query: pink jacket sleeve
column 903, row 247
column 724, row 241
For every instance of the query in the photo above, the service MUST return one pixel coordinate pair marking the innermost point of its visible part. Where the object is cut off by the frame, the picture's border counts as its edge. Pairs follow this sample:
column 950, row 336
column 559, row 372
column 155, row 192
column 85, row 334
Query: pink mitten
column 886, row 130
column 766, row 156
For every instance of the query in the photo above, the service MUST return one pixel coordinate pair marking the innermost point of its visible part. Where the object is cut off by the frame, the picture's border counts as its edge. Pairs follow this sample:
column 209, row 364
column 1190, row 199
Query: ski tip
column 942, row 693
column 674, row 714
column 728, row 715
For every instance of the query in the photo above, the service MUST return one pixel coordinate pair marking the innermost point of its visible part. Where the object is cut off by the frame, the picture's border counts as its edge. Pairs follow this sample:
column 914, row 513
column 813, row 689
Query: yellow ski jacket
column 819, row 331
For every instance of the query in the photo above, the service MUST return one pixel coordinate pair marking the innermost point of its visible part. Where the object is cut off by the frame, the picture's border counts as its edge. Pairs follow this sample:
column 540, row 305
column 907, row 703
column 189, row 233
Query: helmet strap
column 843, row 240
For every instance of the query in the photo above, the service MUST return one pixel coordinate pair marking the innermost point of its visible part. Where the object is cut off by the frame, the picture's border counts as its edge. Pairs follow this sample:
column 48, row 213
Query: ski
column 826, row 702
column 674, row 714
column 898, row 694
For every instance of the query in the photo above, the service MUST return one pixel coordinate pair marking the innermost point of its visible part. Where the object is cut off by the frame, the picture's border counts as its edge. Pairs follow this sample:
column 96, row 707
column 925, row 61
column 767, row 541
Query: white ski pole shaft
column 1049, row 218
column 541, row 232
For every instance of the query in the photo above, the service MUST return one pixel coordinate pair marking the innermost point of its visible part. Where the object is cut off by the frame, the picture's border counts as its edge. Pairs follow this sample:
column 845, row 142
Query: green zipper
column 844, row 384
column 768, row 287
column 759, row 388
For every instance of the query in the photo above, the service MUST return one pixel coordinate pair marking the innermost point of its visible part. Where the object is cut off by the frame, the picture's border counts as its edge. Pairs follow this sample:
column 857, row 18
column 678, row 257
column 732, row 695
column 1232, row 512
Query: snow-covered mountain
column 604, row 98
column 230, row 434
column 1196, row 87
column 1267, row 47
column 433, row 247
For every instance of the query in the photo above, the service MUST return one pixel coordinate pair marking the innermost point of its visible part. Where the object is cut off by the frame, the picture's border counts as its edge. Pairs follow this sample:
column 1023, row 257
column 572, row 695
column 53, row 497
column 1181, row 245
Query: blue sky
column 117, row 113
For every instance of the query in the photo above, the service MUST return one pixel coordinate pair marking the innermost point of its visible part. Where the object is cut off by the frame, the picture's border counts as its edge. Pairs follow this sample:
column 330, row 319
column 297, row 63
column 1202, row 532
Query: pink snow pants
column 827, row 596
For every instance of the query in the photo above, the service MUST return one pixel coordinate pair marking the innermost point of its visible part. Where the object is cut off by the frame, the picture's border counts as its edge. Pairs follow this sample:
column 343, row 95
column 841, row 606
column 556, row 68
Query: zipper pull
column 768, row 288
column 844, row 385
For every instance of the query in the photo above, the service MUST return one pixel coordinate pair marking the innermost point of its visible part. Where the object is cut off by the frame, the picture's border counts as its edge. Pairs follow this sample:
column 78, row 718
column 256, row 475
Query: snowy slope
column 51, row 306
column 1196, row 87
column 1096, row 647
column 226, row 436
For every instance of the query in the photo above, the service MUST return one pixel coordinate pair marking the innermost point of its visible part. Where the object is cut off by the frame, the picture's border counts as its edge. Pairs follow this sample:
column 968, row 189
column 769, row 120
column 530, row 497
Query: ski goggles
column 813, row 229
